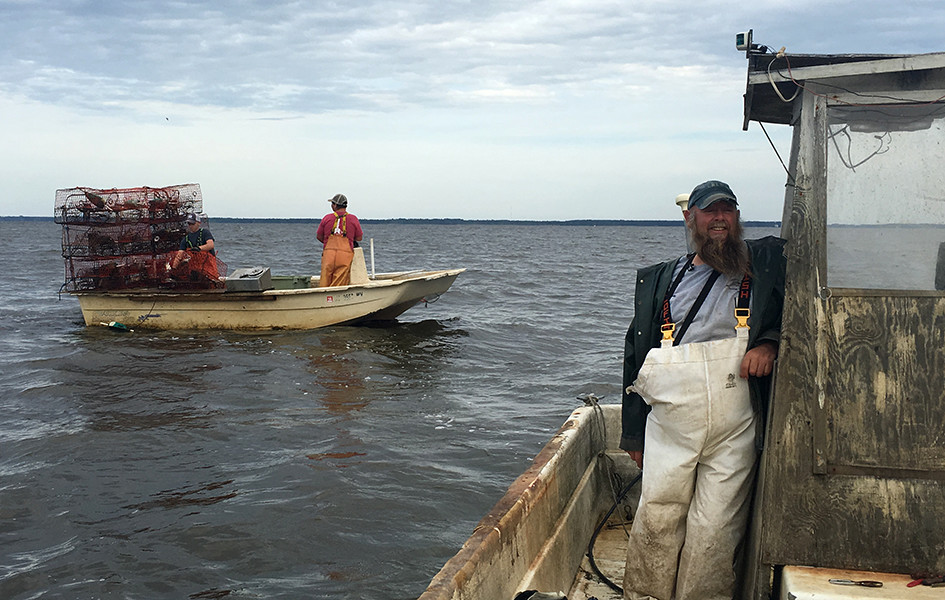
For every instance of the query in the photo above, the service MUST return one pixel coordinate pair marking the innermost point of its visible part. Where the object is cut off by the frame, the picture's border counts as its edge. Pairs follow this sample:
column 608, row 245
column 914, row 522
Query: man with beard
column 697, row 363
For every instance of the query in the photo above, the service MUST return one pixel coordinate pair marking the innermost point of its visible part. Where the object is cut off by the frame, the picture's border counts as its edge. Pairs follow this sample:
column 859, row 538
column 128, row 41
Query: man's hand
column 637, row 456
column 759, row 361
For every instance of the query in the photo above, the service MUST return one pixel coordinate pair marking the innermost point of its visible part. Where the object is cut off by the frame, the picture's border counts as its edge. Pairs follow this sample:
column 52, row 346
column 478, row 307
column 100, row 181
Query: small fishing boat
column 292, row 302
column 123, row 266
column 850, row 495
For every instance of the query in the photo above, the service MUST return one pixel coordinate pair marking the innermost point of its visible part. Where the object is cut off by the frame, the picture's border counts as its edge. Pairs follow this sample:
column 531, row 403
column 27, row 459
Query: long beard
column 728, row 256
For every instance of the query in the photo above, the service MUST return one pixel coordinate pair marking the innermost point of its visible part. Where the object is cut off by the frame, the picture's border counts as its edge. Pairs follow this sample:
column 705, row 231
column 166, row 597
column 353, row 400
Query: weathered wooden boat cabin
column 853, row 476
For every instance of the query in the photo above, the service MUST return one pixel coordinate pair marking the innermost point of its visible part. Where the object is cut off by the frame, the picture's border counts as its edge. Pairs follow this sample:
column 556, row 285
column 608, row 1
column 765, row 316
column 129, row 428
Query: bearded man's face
column 716, row 235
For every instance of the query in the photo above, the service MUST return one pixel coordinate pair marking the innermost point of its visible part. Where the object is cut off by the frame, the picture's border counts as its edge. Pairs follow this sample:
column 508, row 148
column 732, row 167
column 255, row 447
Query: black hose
column 590, row 546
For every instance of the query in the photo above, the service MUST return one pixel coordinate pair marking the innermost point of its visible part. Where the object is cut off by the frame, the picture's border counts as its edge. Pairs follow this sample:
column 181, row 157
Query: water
column 347, row 462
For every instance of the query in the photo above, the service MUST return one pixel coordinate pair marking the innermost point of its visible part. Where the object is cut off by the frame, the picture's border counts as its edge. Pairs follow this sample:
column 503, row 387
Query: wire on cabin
column 776, row 153
column 801, row 86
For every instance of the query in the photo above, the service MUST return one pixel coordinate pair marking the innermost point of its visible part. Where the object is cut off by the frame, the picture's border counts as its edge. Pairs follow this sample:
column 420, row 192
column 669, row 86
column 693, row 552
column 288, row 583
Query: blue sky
column 527, row 110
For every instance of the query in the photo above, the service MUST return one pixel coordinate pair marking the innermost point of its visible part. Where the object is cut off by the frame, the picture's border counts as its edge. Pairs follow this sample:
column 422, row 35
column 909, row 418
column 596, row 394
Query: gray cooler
column 253, row 279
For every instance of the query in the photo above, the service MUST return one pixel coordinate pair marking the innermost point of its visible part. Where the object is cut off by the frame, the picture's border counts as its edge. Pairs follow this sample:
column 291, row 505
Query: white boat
column 537, row 536
column 292, row 303
column 850, row 497
column 123, row 265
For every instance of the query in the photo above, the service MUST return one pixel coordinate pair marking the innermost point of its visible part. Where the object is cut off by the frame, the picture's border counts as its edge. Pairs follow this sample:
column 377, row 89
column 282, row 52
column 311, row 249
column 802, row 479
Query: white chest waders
column 698, row 464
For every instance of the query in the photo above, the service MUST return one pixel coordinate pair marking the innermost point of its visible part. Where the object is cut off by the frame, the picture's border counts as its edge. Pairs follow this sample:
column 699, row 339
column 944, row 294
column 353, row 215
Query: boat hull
column 383, row 298
column 536, row 536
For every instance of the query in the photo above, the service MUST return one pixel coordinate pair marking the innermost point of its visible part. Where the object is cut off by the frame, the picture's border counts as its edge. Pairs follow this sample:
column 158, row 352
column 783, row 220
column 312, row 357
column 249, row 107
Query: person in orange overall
column 338, row 231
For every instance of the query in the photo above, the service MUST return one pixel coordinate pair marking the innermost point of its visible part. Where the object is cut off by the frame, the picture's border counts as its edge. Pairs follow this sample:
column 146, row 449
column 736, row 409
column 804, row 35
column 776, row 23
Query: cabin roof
column 764, row 104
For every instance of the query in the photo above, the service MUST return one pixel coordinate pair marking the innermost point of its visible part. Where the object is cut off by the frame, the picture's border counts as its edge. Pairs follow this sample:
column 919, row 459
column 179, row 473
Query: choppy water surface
column 347, row 462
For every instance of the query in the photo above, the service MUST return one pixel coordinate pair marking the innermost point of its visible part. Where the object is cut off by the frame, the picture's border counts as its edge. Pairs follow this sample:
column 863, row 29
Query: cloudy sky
column 475, row 109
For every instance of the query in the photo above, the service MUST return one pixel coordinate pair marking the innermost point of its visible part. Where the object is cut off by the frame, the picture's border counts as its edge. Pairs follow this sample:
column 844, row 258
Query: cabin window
column 886, row 196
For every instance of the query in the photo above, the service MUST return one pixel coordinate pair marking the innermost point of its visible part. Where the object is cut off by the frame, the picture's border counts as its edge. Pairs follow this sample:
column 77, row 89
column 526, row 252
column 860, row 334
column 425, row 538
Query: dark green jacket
column 767, row 260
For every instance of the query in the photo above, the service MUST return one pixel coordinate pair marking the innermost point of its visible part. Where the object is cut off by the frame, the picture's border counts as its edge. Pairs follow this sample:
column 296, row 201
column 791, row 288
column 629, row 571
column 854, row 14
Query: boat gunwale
column 500, row 525
column 389, row 280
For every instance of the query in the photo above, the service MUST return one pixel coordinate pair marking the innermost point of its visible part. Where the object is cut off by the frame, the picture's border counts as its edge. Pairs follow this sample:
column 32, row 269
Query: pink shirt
column 352, row 226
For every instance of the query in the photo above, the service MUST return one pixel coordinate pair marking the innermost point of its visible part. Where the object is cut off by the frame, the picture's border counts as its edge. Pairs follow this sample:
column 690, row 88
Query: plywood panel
column 859, row 385
column 885, row 401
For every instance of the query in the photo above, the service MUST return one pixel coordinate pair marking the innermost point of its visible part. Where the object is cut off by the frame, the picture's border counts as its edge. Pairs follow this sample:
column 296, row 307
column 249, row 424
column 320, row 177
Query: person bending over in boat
column 697, row 363
column 338, row 231
column 197, row 239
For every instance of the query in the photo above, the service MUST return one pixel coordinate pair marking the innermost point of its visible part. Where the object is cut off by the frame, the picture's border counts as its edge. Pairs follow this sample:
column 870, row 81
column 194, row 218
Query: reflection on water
column 341, row 390
column 204, row 495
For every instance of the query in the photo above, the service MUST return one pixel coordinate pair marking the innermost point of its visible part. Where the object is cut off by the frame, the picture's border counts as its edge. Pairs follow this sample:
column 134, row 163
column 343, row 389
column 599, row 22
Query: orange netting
column 125, row 238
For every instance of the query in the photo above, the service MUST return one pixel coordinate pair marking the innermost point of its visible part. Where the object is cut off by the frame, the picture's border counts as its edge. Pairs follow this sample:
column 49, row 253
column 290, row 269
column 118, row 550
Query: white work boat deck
column 537, row 536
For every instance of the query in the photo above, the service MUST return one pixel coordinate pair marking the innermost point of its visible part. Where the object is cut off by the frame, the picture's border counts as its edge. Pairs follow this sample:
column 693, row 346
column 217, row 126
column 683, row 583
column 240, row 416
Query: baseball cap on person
column 340, row 200
column 709, row 192
column 192, row 218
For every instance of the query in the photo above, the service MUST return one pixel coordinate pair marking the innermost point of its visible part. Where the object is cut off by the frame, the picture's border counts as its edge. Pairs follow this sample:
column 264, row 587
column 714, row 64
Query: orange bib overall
column 336, row 256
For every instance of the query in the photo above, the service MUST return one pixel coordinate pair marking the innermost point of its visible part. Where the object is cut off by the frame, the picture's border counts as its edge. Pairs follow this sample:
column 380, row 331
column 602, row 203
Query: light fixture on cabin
column 743, row 41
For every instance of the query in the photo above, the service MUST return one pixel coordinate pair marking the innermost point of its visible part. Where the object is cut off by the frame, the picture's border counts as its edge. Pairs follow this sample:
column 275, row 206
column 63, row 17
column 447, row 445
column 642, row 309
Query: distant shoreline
column 576, row 222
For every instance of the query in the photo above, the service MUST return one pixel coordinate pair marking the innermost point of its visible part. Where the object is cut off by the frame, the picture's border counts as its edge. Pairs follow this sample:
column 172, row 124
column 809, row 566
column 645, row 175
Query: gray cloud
column 315, row 57
column 541, row 99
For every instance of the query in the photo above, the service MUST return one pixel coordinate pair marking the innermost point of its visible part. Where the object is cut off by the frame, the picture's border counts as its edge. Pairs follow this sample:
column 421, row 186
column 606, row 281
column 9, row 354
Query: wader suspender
column 199, row 240
column 343, row 230
column 742, row 304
